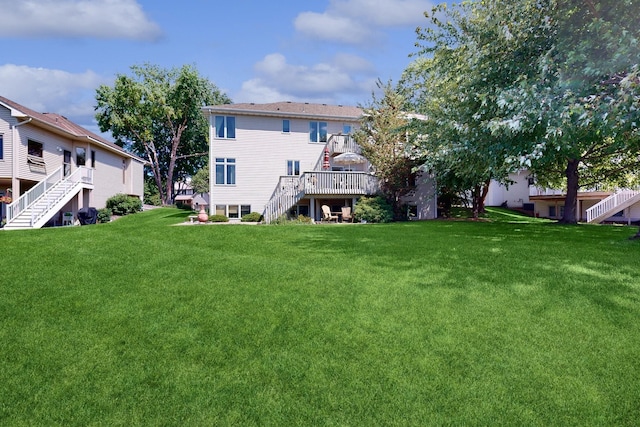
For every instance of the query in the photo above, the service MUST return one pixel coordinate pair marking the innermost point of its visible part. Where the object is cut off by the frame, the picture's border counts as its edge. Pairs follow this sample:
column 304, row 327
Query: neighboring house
column 50, row 166
column 280, row 158
column 622, row 205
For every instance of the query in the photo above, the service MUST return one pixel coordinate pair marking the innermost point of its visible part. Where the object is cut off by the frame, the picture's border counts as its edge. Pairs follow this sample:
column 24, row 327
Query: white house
column 50, row 166
column 593, row 205
column 280, row 158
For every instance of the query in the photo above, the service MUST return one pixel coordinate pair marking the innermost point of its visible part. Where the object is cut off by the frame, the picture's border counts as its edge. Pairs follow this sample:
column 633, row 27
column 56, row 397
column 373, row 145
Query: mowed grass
column 507, row 322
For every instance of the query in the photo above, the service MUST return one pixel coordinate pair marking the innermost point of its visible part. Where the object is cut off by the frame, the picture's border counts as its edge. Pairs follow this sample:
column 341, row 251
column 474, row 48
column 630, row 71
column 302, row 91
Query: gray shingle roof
column 62, row 124
column 286, row 109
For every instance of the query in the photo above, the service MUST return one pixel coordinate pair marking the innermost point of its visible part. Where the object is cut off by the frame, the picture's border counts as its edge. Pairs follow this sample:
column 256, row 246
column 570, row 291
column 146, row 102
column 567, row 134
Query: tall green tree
column 156, row 113
column 385, row 139
column 548, row 85
column 467, row 56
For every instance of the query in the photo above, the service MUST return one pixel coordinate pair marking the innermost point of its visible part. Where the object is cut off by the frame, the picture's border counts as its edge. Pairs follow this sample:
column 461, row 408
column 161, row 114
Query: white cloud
column 52, row 91
column 360, row 21
column 105, row 19
column 347, row 77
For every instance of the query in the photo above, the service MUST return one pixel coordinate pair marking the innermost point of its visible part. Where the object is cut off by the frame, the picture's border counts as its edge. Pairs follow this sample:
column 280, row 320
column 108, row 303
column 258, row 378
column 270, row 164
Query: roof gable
column 61, row 124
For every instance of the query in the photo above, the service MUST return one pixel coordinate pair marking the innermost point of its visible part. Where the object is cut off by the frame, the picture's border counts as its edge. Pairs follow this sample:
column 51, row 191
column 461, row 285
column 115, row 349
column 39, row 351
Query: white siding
column 261, row 151
column 515, row 195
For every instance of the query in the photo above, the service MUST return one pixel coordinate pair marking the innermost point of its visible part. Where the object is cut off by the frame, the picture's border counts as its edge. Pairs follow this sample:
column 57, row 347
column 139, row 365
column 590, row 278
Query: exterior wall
column 424, row 198
column 6, row 121
column 261, row 151
column 515, row 195
column 111, row 177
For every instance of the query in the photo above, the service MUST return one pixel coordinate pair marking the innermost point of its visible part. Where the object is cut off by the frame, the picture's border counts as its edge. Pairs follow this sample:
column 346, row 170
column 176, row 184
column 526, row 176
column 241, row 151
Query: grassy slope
column 136, row 322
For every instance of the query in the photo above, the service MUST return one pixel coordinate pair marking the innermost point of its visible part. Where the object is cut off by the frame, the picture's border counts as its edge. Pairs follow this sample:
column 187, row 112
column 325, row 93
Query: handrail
column 610, row 204
column 291, row 189
column 41, row 197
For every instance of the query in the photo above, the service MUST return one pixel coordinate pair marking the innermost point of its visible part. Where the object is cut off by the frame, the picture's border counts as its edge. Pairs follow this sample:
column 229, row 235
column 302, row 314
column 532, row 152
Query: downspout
column 15, row 183
column 211, row 166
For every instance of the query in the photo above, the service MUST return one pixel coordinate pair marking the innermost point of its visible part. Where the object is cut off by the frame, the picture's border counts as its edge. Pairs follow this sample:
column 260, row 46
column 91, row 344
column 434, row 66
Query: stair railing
column 609, row 204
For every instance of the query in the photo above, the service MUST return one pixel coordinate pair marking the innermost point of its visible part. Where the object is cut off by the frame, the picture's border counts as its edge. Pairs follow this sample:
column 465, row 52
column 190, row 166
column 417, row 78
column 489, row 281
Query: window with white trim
column 1, row 148
column 317, row 131
column 286, row 126
column 225, row 127
column 293, row 167
column 346, row 129
column 225, row 171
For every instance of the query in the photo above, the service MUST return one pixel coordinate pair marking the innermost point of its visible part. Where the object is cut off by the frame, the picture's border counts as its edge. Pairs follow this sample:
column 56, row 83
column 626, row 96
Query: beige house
column 287, row 158
column 50, row 166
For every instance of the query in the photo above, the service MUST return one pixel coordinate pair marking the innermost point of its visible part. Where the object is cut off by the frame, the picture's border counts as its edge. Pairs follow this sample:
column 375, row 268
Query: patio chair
column 67, row 218
column 346, row 214
column 327, row 215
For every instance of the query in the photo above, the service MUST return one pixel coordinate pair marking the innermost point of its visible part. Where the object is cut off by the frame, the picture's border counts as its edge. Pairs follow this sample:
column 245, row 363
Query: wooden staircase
column 38, row 205
column 612, row 204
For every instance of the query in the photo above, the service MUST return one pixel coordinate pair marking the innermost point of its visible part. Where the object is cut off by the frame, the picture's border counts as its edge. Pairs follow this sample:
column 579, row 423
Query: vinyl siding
column 5, row 131
column 261, row 151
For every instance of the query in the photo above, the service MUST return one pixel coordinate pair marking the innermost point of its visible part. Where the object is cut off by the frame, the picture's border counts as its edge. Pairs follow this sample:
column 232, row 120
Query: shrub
column 373, row 209
column 252, row 217
column 122, row 204
column 218, row 218
column 104, row 215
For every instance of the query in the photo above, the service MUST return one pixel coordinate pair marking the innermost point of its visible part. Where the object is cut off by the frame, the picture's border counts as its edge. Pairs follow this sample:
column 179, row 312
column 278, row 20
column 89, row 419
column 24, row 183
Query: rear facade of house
column 50, row 166
column 283, row 159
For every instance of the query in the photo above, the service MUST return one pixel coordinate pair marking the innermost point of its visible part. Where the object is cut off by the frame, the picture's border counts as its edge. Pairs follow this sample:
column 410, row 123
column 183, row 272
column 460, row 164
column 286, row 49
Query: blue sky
column 57, row 52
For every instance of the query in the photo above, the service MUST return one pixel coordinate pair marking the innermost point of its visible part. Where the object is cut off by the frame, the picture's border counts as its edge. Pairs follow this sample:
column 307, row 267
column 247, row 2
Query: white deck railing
column 610, row 204
column 291, row 189
column 343, row 144
column 43, row 193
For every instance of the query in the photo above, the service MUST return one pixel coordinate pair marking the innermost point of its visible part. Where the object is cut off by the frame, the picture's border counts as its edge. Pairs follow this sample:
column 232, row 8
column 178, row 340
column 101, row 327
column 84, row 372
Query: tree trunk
column 483, row 196
column 571, row 200
column 476, row 201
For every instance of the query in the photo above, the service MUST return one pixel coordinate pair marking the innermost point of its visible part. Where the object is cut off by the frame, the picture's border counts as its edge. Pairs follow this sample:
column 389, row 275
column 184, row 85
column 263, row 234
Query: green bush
column 218, row 218
column 104, row 215
column 123, row 204
column 252, row 217
column 373, row 209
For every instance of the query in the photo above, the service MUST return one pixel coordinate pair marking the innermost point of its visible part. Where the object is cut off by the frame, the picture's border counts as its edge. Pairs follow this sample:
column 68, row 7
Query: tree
column 384, row 139
column 156, row 113
column 464, row 62
column 546, row 85
column 200, row 180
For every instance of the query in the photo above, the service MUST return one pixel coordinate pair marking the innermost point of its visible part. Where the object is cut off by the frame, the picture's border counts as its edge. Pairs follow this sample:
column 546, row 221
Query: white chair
column 67, row 218
column 327, row 215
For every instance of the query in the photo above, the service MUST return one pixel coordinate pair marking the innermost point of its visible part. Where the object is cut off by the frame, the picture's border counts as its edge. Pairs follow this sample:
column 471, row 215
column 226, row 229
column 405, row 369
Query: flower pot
column 202, row 215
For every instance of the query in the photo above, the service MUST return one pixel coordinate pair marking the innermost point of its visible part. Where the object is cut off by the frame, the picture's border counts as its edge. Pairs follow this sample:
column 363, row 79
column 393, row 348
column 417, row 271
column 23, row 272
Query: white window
column 317, row 131
column 286, row 126
column 225, row 171
column 293, row 167
column 225, row 127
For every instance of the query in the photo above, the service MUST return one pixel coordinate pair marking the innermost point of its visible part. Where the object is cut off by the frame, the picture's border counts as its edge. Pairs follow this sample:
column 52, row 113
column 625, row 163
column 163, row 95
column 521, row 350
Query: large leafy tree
column 386, row 142
column 156, row 113
column 466, row 57
column 548, row 85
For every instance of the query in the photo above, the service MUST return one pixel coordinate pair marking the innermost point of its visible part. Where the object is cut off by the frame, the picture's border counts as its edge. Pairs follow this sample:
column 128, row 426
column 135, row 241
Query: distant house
column 280, row 158
column 593, row 205
column 50, row 166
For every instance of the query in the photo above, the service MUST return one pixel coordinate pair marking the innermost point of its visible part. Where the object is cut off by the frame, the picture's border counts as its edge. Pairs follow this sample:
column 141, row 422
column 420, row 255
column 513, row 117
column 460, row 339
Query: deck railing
column 41, row 193
column 291, row 189
column 339, row 144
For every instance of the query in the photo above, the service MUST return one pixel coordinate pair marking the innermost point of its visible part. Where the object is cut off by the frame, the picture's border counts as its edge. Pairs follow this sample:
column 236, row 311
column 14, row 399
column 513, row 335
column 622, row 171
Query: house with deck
column 594, row 205
column 52, row 168
column 290, row 158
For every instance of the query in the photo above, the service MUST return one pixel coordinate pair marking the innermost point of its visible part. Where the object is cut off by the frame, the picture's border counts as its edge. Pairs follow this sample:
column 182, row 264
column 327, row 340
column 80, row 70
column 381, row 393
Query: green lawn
column 503, row 322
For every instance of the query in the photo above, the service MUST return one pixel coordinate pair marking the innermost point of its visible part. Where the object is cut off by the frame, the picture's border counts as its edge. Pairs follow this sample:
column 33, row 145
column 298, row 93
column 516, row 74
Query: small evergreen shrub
column 218, row 218
column 104, row 215
column 122, row 204
column 373, row 209
column 252, row 217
